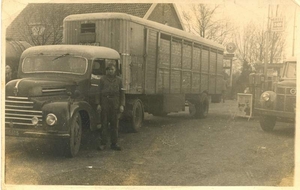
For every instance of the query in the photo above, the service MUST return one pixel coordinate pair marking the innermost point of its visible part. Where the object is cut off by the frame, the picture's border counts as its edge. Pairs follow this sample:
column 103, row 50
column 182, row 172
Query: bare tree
column 251, row 45
column 43, row 25
column 201, row 20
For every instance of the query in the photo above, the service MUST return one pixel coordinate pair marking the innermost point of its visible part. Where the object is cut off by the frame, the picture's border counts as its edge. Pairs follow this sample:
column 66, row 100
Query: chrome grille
column 20, row 111
column 53, row 91
column 286, row 101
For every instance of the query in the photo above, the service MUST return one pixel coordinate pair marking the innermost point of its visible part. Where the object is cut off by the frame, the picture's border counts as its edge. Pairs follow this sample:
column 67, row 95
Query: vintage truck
column 55, row 91
column 162, row 69
column 278, row 104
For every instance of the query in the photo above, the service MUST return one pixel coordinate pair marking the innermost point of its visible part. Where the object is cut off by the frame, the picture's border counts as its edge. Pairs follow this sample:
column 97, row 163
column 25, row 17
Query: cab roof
column 89, row 52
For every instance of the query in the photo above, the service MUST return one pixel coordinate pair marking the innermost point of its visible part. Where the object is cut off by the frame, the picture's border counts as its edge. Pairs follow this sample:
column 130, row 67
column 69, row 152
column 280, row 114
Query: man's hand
column 99, row 108
column 121, row 109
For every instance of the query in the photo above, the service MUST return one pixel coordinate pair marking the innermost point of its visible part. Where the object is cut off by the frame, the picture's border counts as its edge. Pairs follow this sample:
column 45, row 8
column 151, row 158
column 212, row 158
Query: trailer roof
column 89, row 52
column 166, row 29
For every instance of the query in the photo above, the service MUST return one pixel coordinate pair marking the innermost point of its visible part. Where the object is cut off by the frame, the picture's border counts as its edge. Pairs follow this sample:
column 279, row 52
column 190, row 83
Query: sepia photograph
column 150, row 94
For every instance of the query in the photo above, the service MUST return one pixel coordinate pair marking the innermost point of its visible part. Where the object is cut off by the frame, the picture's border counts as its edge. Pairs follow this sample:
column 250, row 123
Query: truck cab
column 53, row 96
column 279, row 104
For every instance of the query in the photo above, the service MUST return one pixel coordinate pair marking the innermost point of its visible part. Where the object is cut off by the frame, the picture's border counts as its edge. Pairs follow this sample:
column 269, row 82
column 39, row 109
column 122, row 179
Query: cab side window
column 99, row 67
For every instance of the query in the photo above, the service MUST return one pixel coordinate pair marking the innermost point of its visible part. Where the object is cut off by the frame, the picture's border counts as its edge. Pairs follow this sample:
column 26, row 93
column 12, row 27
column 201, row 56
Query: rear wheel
column 73, row 143
column 200, row 110
column 135, row 115
column 267, row 123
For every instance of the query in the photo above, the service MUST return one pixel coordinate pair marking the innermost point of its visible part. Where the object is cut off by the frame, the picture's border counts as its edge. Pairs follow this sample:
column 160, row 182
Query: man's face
column 111, row 71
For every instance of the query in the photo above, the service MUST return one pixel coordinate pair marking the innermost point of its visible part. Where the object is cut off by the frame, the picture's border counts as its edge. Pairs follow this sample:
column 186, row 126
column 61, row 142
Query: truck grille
column 19, row 111
column 286, row 100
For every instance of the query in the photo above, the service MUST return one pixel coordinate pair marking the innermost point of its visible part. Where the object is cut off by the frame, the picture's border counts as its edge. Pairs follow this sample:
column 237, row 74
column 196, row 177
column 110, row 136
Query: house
column 42, row 23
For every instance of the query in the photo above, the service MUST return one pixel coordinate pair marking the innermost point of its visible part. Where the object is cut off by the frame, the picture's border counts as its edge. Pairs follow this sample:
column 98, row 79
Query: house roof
column 142, row 10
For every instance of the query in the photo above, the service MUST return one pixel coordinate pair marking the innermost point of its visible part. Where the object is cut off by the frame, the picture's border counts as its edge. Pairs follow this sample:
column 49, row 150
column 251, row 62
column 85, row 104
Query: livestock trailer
column 162, row 67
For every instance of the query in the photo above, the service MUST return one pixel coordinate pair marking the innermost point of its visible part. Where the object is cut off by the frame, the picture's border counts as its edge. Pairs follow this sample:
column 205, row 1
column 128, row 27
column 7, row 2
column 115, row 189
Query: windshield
column 290, row 70
column 55, row 64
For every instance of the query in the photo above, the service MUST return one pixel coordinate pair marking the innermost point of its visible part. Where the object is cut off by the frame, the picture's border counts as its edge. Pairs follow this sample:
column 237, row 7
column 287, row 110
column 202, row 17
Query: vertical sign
column 277, row 24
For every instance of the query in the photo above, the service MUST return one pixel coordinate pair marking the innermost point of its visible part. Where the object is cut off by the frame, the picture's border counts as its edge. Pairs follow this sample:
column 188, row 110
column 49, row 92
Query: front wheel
column 267, row 123
column 73, row 143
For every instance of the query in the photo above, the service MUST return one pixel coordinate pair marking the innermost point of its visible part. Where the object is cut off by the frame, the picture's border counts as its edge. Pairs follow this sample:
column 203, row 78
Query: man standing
column 111, row 102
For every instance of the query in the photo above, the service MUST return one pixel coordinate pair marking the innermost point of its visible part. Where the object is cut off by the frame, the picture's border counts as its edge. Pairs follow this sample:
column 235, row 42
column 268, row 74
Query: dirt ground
column 176, row 150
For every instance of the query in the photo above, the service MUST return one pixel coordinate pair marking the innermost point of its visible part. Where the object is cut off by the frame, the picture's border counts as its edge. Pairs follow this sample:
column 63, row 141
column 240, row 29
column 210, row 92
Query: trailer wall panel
column 163, row 80
column 186, row 82
column 212, row 72
column 151, row 62
column 196, row 83
column 176, row 54
column 175, row 81
column 187, row 56
column 196, row 59
column 220, row 73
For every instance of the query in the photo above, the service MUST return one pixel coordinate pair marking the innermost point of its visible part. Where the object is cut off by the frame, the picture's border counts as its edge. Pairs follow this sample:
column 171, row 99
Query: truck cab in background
column 278, row 104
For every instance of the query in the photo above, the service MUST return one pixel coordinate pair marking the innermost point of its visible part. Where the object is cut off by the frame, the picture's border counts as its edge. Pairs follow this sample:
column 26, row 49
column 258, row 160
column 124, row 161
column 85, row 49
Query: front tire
column 267, row 123
column 73, row 143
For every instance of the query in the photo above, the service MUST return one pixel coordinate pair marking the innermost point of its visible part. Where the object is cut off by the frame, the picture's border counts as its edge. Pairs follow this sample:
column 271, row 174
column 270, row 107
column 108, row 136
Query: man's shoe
column 101, row 147
column 115, row 147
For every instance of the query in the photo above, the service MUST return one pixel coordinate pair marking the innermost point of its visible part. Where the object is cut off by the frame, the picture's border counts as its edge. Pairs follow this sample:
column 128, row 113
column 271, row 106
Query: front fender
column 85, row 110
column 61, row 111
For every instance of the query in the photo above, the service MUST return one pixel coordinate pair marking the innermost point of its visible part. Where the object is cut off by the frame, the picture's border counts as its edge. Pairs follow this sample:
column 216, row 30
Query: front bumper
column 281, row 114
column 34, row 134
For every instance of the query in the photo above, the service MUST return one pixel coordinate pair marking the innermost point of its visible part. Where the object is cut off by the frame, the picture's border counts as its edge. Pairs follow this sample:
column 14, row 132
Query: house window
column 88, row 28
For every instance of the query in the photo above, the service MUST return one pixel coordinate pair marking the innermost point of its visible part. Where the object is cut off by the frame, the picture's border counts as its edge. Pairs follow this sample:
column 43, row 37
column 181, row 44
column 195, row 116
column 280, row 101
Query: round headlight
column 265, row 96
column 51, row 119
column 35, row 120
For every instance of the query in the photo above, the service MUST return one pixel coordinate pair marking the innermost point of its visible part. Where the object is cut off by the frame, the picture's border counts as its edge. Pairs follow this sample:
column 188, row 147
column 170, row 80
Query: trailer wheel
column 202, row 108
column 73, row 143
column 135, row 115
column 267, row 123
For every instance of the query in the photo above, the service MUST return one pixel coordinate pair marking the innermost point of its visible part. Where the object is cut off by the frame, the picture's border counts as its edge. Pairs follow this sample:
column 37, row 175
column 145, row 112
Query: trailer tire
column 202, row 109
column 135, row 115
column 72, row 145
column 267, row 123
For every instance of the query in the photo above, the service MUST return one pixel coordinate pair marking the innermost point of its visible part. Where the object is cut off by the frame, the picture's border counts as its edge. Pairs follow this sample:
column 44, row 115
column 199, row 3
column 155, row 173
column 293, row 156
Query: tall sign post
column 227, row 64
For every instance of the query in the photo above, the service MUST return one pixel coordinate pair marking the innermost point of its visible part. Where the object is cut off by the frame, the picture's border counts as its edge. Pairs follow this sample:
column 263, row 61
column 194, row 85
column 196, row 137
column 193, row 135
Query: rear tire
column 73, row 143
column 267, row 123
column 135, row 116
column 200, row 110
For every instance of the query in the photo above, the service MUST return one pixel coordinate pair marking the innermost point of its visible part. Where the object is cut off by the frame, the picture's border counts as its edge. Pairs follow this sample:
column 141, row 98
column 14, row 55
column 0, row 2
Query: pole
column 267, row 51
column 294, row 28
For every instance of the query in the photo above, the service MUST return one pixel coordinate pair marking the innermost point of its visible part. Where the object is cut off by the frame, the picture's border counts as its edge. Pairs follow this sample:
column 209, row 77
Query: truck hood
column 287, row 83
column 29, row 87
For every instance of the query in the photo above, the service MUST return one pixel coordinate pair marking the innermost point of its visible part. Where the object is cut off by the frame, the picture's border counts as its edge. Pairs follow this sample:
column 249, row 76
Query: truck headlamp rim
column 51, row 119
column 265, row 96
